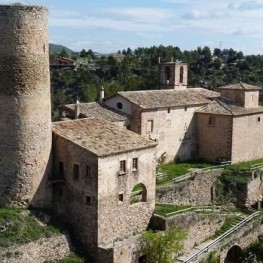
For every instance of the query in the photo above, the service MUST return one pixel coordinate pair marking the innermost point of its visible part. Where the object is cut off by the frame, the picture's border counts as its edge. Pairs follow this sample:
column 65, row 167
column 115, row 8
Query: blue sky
column 109, row 25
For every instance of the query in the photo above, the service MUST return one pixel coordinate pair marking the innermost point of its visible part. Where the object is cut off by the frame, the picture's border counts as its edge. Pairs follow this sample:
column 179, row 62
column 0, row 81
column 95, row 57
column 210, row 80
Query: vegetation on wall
column 159, row 247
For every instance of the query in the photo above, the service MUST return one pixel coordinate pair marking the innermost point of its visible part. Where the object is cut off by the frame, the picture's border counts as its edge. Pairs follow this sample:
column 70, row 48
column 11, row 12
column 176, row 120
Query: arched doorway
column 138, row 194
column 234, row 255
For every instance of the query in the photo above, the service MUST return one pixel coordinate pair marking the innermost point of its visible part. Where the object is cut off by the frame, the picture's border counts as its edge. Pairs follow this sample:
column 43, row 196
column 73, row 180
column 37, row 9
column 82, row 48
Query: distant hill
column 53, row 48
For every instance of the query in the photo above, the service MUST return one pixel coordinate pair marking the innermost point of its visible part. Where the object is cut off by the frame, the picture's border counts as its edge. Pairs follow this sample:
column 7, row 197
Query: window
column 60, row 169
column 119, row 105
column 135, row 164
column 122, row 166
column 258, row 119
column 88, row 171
column 76, row 172
column 185, row 108
column 181, row 74
column 211, row 121
column 168, row 110
column 149, row 127
column 167, row 73
column 120, row 198
column 88, row 200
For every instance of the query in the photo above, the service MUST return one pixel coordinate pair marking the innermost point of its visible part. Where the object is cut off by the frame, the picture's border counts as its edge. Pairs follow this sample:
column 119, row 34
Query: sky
column 107, row 26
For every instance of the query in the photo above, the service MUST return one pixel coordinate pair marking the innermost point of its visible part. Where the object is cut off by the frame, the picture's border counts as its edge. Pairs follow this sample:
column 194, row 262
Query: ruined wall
column 247, row 141
column 214, row 139
column 42, row 250
column 174, row 129
column 69, row 193
column 120, row 219
column 198, row 190
column 25, row 119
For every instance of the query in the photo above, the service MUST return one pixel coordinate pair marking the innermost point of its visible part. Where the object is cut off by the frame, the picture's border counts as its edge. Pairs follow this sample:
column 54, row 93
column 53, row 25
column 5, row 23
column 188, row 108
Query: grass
column 164, row 209
column 174, row 170
column 72, row 258
column 19, row 226
column 246, row 165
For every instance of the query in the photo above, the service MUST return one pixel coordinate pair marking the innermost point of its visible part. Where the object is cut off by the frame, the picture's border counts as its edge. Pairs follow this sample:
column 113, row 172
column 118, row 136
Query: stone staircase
column 204, row 247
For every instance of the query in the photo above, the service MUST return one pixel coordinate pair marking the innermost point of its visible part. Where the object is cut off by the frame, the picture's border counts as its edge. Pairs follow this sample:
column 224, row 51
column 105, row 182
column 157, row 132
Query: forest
column 138, row 70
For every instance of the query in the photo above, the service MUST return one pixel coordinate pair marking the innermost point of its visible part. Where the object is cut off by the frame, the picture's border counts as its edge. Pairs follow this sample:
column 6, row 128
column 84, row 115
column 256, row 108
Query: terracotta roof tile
column 240, row 85
column 94, row 109
column 100, row 137
column 150, row 99
column 223, row 108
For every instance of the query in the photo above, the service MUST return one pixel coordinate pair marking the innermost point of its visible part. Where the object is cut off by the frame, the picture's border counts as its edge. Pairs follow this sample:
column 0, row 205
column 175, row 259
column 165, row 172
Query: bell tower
column 173, row 75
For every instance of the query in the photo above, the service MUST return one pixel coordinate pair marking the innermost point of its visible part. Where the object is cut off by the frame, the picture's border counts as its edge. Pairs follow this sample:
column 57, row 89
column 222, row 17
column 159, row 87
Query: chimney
column 159, row 60
column 77, row 110
column 101, row 94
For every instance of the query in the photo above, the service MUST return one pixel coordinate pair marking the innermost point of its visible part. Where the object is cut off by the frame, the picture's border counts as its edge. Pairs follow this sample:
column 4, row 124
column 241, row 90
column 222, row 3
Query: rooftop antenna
column 220, row 45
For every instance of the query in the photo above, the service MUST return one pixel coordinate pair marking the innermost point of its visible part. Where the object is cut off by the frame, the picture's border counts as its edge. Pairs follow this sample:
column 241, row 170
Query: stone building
column 230, row 128
column 164, row 116
column 97, row 165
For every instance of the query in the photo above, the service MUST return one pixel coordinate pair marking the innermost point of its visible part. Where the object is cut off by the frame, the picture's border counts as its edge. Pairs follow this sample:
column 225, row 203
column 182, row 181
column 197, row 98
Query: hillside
column 54, row 48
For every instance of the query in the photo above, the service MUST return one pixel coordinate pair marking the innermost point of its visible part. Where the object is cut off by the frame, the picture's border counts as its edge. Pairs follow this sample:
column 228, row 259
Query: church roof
column 94, row 109
column 240, row 86
column 151, row 99
column 221, row 107
column 100, row 137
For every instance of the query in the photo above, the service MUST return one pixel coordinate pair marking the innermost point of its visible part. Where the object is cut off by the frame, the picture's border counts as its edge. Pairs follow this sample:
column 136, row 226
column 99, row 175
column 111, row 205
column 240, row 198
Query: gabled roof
column 221, row 107
column 94, row 109
column 152, row 99
column 100, row 137
column 240, row 86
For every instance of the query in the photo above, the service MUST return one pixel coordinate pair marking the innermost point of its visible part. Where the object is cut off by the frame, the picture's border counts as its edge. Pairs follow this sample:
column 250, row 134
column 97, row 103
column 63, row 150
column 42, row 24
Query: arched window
column 181, row 74
column 138, row 194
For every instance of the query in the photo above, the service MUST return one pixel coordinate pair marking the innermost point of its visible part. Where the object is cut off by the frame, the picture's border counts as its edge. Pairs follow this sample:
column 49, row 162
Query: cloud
column 198, row 14
column 246, row 6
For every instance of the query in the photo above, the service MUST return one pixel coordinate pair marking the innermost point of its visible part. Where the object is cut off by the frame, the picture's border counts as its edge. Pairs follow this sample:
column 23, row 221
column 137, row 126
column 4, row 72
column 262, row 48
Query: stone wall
column 117, row 219
column 215, row 138
column 248, row 130
column 197, row 190
column 40, row 251
column 25, row 119
column 199, row 227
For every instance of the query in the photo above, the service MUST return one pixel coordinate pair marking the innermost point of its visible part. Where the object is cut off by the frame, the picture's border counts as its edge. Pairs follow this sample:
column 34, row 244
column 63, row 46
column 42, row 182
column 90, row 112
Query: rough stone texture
column 170, row 71
column 249, row 131
column 199, row 227
column 197, row 190
column 214, row 136
column 25, row 129
column 105, row 220
column 40, row 251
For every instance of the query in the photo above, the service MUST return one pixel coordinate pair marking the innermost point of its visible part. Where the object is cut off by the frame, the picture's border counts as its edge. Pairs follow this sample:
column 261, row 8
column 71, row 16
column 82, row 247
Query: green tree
column 159, row 247
column 64, row 53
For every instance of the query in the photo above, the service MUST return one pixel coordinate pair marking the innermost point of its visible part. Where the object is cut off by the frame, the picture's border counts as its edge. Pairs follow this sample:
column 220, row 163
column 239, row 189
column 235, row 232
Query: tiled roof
column 223, row 108
column 240, row 85
column 93, row 109
column 100, row 137
column 150, row 99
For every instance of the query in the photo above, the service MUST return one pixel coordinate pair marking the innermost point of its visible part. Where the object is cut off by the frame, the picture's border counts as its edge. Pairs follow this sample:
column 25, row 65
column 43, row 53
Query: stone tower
column 25, row 108
column 173, row 75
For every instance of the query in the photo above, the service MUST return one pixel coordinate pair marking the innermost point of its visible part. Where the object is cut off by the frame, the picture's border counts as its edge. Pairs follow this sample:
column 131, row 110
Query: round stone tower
column 25, row 108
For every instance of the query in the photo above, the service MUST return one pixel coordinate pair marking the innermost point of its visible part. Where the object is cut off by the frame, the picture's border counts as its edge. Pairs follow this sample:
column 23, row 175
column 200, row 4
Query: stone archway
column 234, row 255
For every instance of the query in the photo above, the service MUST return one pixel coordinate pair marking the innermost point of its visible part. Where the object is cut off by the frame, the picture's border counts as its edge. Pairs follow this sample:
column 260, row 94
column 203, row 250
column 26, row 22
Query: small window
column 88, row 200
column 88, row 171
column 76, row 172
column 181, row 74
column 135, row 164
column 211, row 121
column 185, row 108
column 61, row 169
column 258, row 119
column 122, row 166
column 149, row 128
column 168, row 110
column 120, row 197
column 119, row 105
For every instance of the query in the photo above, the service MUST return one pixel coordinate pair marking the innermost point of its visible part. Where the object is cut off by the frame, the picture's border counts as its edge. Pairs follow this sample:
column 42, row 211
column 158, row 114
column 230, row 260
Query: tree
column 159, row 247
column 64, row 53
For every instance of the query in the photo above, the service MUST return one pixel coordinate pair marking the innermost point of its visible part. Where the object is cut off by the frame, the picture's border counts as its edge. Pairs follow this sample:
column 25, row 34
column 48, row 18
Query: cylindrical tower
column 25, row 108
